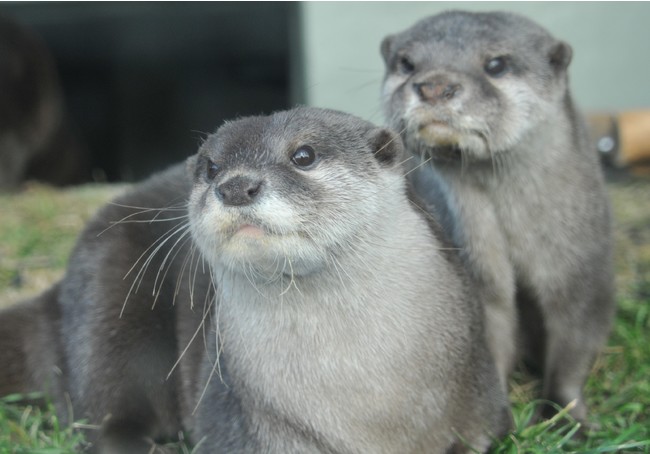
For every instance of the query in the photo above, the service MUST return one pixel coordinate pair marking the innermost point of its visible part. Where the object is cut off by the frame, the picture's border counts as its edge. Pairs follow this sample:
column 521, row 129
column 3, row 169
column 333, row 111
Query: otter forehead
column 463, row 30
column 269, row 140
column 457, row 36
column 262, row 138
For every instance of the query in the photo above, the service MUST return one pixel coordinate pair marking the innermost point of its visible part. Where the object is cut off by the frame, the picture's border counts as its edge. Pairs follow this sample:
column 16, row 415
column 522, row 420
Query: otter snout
column 437, row 89
column 239, row 190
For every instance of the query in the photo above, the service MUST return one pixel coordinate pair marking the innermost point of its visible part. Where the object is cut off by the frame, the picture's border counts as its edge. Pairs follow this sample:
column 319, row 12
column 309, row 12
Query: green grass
column 618, row 395
column 37, row 231
column 31, row 430
column 39, row 227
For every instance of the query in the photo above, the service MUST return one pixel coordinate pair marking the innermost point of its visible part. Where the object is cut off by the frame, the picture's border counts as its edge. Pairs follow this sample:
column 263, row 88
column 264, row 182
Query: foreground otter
column 485, row 97
column 312, row 306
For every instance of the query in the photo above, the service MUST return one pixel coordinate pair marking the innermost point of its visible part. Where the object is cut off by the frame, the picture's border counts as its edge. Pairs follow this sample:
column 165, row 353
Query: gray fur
column 522, row 192
column 313, row 340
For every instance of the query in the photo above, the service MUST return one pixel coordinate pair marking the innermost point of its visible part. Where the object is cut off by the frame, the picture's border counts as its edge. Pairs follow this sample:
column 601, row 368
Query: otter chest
column 531, row 225
column 506, row 221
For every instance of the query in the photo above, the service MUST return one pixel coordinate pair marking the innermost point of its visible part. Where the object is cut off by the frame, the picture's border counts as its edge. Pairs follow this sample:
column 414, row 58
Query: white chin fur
column 229, row 238
column 271, row 256
column 435, row 134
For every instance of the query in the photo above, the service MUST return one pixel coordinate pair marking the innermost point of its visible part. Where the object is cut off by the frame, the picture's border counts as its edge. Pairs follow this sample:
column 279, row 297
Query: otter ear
column 386, row 146
column 560, row 56
column 385, row 48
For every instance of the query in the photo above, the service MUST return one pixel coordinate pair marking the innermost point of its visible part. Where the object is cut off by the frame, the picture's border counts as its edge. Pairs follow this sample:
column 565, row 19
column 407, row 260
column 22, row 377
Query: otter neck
column 342, row 308
column 348, row 328
column 365, row 260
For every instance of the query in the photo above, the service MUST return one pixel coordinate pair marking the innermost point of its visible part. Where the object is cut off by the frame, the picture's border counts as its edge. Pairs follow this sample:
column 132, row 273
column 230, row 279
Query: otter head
column 472, row 84
column 288, row 193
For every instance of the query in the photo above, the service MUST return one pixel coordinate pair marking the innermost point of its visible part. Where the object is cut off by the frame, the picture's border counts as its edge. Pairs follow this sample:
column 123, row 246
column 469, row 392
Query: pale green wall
column 343, row 68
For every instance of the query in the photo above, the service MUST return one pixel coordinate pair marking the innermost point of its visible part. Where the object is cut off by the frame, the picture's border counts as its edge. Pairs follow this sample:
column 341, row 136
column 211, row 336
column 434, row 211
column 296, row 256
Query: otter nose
column 432, row 92
column 239, row 190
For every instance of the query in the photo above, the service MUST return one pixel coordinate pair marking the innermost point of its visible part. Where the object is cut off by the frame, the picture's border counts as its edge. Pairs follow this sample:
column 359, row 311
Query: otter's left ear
column 560, row 56
column 386, row 146
column 385, row 48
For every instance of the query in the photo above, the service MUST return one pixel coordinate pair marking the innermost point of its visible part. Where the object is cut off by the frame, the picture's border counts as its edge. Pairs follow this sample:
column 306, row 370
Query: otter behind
column 485, row 97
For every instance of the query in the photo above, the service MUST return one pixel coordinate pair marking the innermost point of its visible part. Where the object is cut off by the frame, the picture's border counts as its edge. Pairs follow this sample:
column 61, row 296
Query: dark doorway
column 144, row 82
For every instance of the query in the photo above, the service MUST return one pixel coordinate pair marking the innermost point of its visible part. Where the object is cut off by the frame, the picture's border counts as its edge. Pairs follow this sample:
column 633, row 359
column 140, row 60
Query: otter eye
column 405, row 65
column 496, row 67
column 211, row 170
column 304, row 156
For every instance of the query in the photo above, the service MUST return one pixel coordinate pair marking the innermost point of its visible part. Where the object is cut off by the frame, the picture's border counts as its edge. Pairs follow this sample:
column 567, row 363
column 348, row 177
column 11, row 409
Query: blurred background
column 144, row 82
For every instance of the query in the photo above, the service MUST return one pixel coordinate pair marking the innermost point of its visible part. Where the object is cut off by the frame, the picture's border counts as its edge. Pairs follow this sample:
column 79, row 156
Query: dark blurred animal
column 36, row 141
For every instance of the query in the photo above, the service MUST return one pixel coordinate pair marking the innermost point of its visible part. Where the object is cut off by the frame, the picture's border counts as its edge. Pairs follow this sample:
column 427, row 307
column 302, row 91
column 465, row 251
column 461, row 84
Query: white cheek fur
column 301, row 233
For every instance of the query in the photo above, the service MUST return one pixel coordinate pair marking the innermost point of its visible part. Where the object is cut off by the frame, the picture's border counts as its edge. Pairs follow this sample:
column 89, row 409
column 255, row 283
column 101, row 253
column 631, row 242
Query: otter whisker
column 147, row 221
column 213, row 281
column 144, row 209
column 292, row 281
column 127, row 218
column 338, row 267
column 171, row 249
column 196, row 332
column 406, row 160
column 143, row 269
column 162, row 239
column 181, row 273
column 362, row 85
column 421, row 164
column 216, row 367
column 207, row 383
column 388, row 143
column 249, row 273
column 158, row 288
column 192, row 284
column 139, row 276
column 278, row 271
column 220, row 343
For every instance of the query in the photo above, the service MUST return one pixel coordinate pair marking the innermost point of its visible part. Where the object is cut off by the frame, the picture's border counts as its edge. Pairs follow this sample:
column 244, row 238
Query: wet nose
column 432, row 91
column 239, row 190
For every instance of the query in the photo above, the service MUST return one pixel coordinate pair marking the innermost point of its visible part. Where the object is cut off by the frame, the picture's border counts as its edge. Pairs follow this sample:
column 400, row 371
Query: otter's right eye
column 211, row 170
column 405, row 65
column 496, row 67
column 304, row 156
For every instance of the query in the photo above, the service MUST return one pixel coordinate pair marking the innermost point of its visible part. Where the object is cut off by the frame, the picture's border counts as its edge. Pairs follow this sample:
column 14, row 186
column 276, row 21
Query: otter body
column 279, row 269
column 485, row 98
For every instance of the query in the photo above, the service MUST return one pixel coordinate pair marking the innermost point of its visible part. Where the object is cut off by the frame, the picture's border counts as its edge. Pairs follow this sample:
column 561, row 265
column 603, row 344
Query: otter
column 283, row 293
column 37, row 140
column 485, row 98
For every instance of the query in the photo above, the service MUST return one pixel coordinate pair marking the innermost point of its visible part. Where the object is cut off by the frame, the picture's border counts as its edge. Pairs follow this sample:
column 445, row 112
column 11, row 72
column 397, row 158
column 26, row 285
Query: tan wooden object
column 622, row 139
